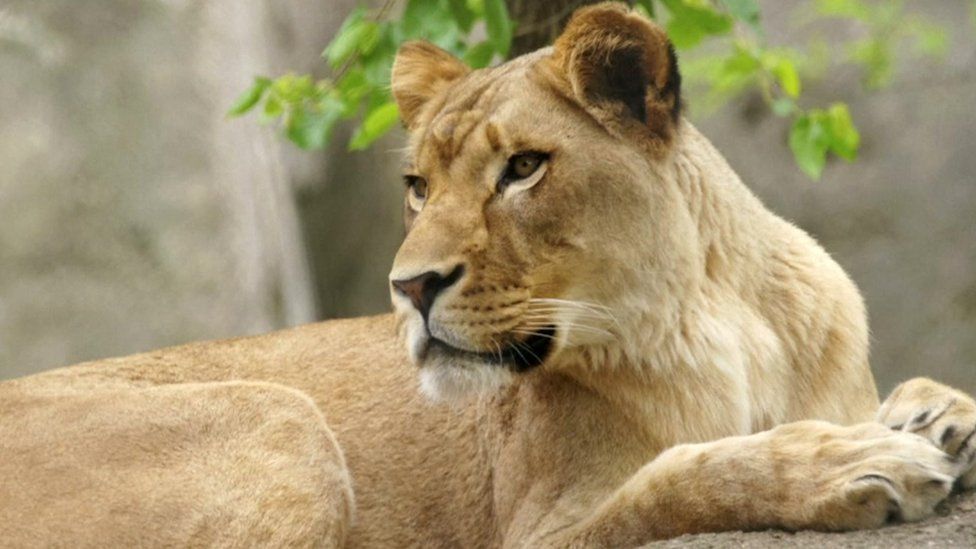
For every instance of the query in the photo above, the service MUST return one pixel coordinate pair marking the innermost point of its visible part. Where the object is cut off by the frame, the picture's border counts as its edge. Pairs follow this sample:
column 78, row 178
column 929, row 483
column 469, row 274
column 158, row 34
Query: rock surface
column 955, row 526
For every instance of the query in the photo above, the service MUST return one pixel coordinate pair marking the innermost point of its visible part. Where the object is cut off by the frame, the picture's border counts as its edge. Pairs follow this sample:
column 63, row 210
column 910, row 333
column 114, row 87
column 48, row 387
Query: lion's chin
column 454, row 381
column 452, row 374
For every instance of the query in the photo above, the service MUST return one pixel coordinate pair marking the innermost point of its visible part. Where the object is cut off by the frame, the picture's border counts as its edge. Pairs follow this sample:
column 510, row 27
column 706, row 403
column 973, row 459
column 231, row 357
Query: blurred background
column 134, row 214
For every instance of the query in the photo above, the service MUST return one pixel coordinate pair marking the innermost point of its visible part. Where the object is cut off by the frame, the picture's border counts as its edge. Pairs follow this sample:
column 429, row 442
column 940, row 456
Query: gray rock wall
column 132, row 213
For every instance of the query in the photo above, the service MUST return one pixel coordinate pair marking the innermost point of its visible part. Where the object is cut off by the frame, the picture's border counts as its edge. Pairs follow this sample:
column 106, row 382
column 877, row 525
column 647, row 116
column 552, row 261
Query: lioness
column 633, row 346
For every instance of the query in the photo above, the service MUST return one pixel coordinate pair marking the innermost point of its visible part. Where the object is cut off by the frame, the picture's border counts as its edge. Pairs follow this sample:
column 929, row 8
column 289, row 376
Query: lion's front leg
column 943, row 415
column 805, row 475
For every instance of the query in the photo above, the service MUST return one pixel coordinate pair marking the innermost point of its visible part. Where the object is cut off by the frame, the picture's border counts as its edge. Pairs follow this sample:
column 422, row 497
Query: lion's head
column 545, row 226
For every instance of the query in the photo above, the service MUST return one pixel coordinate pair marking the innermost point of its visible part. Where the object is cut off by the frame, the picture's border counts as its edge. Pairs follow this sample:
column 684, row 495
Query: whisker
column 527, row 349
column 570, row 326
column 577, row 312
column 594, row 308
column 569, row 302
column 547, row 319
column 560, row 307
column 533, row 333
column 498, row 349
column 566, row 311
column 515, row 347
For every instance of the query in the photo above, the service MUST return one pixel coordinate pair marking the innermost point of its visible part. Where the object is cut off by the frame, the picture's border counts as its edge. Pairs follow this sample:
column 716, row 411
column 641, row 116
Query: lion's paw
column 866, row 475
column 944, row 416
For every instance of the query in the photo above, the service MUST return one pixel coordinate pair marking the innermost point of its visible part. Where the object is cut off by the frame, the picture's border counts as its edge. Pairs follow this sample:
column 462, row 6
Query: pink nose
column 423, row 289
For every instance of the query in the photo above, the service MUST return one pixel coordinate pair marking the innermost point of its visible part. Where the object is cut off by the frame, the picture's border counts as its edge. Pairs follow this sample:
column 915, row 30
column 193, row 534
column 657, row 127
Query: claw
column 949, row 432
column 926, row 418
column 965, row 442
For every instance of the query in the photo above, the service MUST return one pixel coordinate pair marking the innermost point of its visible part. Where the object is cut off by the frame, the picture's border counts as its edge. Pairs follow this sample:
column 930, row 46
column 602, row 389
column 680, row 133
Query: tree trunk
column 539, row 23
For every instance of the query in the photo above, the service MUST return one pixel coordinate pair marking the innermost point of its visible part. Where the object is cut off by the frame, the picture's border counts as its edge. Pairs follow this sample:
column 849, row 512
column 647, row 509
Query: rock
column 954, row 526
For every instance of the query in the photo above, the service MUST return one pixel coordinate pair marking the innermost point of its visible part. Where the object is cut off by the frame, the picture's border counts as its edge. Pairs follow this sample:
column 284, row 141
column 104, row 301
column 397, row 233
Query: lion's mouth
column 521, row 356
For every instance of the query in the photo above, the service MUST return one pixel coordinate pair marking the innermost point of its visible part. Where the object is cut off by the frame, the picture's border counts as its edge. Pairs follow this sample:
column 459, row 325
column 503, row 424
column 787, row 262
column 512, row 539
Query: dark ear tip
column 673, row 86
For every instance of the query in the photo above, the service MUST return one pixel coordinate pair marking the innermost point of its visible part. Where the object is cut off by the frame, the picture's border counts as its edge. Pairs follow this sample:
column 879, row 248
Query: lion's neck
column 691, row 348
column 730, row 218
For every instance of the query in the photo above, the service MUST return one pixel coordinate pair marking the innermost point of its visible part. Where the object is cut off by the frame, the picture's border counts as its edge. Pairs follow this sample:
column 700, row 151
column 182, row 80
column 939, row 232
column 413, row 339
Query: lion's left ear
column 420, row 71
column 621, row 65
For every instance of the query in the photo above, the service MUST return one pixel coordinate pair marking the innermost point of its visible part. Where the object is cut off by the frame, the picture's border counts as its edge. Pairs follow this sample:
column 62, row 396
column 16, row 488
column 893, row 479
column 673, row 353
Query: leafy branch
column 361, row 54
column 747, row 63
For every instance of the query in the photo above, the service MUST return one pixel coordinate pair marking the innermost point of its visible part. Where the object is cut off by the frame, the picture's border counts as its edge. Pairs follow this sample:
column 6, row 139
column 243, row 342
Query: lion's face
column 537, row 208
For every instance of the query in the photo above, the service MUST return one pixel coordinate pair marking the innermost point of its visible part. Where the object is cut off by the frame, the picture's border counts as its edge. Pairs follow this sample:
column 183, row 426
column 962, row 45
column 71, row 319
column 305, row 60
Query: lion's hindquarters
column 208, row 464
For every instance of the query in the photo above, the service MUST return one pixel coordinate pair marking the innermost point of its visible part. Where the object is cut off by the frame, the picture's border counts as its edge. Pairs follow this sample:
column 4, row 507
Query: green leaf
column 479, row 55
column 684, row 34
column 347, row 41
column 498, row 25
column 272, row 108
column 930, row 39
column 742, row 62
column 310, row 129
column 247, row 100
column 463, row 15
column 427, row 19
column 746, row 11
column 477, row 7
column 850, row 9
column 415, row 14
column 876, row 57
column 377, row 63
column 783, row 106
column 809, row 142
column 431, row 20
column 817, row 132
column 647, row 6
column 784, row 70
column 735, row 72
column 351, row 90
column 377, row 98
column 844, row 137
column 292, row 89
column 692, row 23
column 377, row 122
column 368, row 38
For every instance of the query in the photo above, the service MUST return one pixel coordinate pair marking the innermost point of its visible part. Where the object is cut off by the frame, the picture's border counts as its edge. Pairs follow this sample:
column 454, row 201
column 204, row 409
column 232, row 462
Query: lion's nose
column 423, row 289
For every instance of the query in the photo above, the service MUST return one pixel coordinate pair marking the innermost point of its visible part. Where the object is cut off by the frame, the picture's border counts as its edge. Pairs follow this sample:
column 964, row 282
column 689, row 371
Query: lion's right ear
column 621, row 67
column 420, row 71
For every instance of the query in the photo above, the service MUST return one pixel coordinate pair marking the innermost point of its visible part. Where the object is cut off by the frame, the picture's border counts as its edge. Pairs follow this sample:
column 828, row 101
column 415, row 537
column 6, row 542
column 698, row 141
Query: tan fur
column 708, row 371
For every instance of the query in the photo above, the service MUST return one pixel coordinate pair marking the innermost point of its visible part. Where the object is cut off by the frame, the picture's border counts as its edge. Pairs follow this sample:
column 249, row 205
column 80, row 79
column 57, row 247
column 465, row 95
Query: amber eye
column 416, row 191
column 524, row 170
column 523, row 165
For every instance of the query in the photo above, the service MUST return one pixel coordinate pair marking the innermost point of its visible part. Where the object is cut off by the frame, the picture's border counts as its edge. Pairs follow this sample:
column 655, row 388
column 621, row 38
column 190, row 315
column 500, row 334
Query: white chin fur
column 456, row 383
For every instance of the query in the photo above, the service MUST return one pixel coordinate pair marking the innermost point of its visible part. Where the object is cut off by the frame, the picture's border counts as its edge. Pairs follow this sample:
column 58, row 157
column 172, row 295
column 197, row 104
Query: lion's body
column 475, row 475
column 355, row 373
column 423, row 474
column 699, row 321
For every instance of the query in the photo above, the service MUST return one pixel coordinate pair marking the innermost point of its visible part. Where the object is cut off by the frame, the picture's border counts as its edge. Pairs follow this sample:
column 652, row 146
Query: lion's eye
column 524, row 170
column 416, row 191
column 523, row 165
